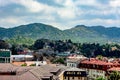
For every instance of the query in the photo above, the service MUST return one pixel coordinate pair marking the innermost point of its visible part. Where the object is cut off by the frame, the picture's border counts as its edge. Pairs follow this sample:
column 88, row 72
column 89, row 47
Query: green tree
column 24, row 64
column 3, row 45
column 100, row 78
column 59, row 60
column 114, row 76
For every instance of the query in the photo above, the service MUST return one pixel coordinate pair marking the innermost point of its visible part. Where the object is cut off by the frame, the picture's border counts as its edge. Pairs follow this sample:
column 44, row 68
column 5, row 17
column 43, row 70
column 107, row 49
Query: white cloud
column 60, row 1
column 34, row 6
column 69, row 13
column 66, row 13
column 4, row 3
column 87, row 2
column 114, row 3
column 95, row 22
column 12, row 21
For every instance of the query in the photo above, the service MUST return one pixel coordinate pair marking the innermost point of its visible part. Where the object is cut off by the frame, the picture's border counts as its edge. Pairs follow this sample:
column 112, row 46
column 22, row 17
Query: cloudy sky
column 62, row 14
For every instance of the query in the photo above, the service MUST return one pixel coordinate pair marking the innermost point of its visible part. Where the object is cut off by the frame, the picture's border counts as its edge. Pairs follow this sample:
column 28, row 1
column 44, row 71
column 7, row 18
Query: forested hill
column 79, row 33
column 35, row 30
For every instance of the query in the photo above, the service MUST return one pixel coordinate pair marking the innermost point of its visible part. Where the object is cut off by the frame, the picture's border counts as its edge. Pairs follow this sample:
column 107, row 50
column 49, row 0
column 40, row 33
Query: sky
column 63, row 14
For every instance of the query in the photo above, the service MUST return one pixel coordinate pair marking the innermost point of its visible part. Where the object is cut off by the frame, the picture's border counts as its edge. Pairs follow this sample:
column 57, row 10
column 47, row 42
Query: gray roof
column 22, row 73
column 33, row 73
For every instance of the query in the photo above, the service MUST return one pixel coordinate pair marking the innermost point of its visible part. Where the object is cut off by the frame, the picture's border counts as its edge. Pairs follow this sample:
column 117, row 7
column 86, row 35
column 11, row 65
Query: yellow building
column 73, row 74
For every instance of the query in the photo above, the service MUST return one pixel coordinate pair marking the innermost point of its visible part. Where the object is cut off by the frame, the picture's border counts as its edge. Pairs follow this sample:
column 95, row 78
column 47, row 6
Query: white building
column 21, row 57
column 74, row 60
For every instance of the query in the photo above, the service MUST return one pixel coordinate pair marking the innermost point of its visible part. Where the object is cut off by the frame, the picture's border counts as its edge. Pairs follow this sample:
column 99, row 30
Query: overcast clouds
column 63, row 14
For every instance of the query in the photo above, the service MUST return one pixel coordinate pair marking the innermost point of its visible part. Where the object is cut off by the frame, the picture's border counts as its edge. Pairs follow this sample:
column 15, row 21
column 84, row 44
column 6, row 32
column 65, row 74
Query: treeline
column 87, row 49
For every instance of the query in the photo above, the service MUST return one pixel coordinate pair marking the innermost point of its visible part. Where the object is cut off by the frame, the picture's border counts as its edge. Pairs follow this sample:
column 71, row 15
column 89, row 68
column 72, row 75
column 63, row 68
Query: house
column 21, row 57
column 74, row 59
column 63, row 54
column 75, row 74
column 73, row 62
column 71, row 73
column 5, row 56
column 11, row 72
column 97, row 68
column 19, row 60
column 44, row 72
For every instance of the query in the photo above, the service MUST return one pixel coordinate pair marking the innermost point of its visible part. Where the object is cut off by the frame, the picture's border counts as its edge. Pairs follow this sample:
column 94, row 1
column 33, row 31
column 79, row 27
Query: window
column 64, row 77
column 72, row 77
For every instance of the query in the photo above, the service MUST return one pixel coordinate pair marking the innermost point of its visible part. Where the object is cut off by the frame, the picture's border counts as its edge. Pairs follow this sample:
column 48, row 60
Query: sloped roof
column 114, row 69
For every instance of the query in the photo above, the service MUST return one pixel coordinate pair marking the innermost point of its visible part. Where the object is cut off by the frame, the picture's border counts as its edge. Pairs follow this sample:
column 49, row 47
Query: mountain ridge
column 79, row 33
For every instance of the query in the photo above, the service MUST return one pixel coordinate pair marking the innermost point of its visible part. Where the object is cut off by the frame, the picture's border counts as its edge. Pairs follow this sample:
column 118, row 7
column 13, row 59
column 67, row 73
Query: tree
column 100, row 78
column 114, row 76
column 39, row 44
column 3, row 45
column 59, row 60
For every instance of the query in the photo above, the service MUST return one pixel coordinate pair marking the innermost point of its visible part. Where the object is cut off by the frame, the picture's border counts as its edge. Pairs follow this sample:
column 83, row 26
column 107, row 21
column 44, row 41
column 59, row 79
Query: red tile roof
column 97, row 62
column 114, row 69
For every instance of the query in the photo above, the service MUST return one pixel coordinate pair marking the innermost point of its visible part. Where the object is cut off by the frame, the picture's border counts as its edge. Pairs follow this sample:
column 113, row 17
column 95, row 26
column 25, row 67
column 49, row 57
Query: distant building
column 5, row 56
column 21, row 57
column 44, row 72
column 11, row 72
column 75, row 74
column 63, row 54
column 37, row 63
column 113, row 69
column 73, row 60
column 97, row 68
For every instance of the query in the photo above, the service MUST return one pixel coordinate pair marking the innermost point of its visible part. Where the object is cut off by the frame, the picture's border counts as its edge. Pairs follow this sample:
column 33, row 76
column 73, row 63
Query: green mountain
column 83, row 33
column 35, row 31
column 79, row 33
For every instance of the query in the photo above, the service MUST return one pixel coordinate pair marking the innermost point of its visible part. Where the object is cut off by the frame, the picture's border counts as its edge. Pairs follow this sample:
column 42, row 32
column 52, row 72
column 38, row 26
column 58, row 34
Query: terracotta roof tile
column 97, row 62
column 114, row 69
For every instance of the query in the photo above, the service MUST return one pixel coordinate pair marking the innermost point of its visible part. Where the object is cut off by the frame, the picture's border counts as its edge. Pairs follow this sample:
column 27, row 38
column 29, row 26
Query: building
column 74, row 74
column 63, row 54
column 73, row 60
column 45, row 72
column 5, row 56
column 97, row 68
column 10, row 72
column 114, row 69
column 29, row 63
column 21, row 58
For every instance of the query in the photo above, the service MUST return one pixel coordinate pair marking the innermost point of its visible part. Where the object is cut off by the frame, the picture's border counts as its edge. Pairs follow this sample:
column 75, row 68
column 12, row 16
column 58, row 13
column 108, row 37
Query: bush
column 33, row 65
column 24, row 64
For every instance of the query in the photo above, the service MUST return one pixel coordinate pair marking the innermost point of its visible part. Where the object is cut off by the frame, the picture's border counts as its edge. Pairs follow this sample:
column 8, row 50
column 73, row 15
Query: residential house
column 73, row 60
column 97, row 68
column 75, row 74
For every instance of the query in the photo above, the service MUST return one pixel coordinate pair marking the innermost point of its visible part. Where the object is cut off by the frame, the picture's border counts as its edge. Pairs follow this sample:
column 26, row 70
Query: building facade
column 75, row 74
column 96, row 68
column 5, row 56
column 73, row 60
